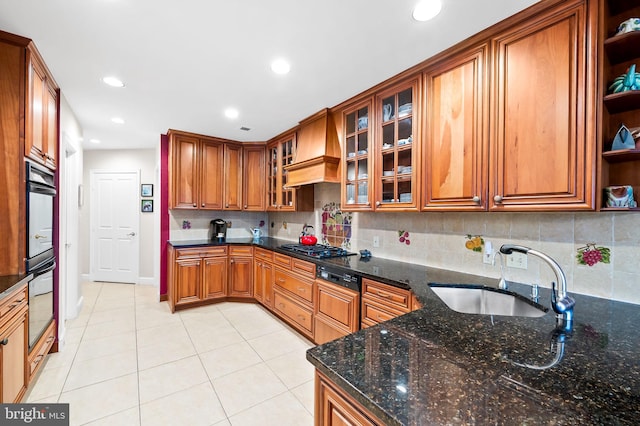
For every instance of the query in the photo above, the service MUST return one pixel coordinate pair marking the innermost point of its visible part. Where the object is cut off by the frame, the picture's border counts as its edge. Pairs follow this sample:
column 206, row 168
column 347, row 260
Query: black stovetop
column 317, row 251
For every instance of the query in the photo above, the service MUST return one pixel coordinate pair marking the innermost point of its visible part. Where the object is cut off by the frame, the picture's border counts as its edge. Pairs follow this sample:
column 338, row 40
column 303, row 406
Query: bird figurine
column 628, row 81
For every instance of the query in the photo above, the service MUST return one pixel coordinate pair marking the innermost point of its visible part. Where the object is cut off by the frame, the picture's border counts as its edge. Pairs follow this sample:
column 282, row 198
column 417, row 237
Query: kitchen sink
column 477, row 299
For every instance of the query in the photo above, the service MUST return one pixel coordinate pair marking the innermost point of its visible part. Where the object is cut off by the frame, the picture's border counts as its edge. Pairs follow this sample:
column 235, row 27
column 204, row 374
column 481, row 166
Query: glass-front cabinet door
column 356, row 194
column 396, row 148
column 281, row 153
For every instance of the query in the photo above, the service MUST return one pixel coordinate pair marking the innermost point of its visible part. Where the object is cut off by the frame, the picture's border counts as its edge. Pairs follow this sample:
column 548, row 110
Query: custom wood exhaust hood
column 317, row 156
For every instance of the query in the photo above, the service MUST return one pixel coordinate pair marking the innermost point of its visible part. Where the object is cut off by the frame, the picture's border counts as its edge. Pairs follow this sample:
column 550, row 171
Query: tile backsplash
column 438, row 239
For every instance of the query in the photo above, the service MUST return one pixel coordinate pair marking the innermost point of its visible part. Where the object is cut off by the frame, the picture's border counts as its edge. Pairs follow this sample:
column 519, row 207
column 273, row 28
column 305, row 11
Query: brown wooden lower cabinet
column 299, row 313
column 337, row 311
column 333, row 407
column 382, row 302
column 263, row 282
column 240, row 272
column 41, row 349
column 13, row 346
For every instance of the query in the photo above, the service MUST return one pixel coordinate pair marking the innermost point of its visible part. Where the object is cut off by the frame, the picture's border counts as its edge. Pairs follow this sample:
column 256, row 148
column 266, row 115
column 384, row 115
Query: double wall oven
column 41, row 260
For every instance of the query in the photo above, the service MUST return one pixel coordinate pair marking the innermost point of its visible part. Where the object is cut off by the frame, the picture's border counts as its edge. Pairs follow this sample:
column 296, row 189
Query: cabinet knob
column 377, row 203
column 368, row 203
column 195, row 205
column 246, row 206
column 202, row 204
column 4, row 341
column 476, row 199
column 231, row 261
column 226, row 206
column 497, row 199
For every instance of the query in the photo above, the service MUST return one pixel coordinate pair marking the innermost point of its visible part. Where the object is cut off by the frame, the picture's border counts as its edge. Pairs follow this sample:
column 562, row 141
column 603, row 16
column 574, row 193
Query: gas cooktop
column 318, row 251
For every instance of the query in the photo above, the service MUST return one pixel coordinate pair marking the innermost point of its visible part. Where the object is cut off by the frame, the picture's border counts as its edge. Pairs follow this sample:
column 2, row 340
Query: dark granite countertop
column 8, row 283
column 437, row 366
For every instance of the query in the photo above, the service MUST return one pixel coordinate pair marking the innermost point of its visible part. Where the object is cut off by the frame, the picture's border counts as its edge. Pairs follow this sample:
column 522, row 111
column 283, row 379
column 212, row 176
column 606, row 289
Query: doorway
column 114, row 226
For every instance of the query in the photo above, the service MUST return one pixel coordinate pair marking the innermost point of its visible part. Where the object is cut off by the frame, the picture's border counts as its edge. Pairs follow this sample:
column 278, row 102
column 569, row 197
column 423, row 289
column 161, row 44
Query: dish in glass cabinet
column 362, row 152
column 404, row 109
column 404, row 141
column 363, row 122
column 387, row 173
column 386, row 146
column 351, row 154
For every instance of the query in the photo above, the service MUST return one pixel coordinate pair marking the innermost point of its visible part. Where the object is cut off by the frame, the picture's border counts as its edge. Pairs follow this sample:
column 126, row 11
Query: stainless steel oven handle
column 51, row 266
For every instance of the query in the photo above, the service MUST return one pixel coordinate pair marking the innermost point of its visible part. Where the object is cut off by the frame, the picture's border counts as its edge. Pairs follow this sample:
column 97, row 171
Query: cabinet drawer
column 41, row 349
column 12, row 304
column 373, row 313
column 393, row 297
column 240, row 250
column 201, row 252
column 295, row 285
column 282, row 260
column 262, row 254
column 295, row 312
column 303, row 268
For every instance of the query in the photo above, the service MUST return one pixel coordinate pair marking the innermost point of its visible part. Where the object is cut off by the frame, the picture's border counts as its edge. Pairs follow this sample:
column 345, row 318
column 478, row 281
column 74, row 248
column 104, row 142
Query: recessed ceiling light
column 96, row 141
column 280, row 66
column 426, row 10
column 231, row 113
column 113, row 81
column 117, row 120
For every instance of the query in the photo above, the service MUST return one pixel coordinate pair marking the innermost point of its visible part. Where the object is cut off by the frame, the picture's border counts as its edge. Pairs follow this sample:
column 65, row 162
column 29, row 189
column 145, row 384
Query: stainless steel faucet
column 561, row 302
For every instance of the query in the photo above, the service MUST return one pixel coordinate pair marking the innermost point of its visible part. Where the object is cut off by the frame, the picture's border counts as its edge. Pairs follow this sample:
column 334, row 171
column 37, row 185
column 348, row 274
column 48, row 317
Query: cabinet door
column 184, row 172
column 253, row 186
column 214, row 277
column 36, row 109
column 357, row 154
column 334, row 409
column 51, row 142
column 267, row 281
column 233, row 177
column 454, row 155
column 397, row 148
column 240, row 277
column 337, row 311
column 258, row 283
column 187, row 275
column 13, row 357
column 212, row 175
column 542, row 157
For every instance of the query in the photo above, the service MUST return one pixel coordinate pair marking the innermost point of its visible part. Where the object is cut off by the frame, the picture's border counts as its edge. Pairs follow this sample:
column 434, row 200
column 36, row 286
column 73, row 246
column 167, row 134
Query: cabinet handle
column 476, row 199
column 497, row 199
column 303, row 290
column 226, row 206
column 202, row 204
column 281, row 305
column 245, row 206
column 368, row 203
column 231, row 261
column 301, row 318
column 377, row 203
column 380, row 318
column 386, row 296
column 281, row 280
column 195, row 205
column 4, row 341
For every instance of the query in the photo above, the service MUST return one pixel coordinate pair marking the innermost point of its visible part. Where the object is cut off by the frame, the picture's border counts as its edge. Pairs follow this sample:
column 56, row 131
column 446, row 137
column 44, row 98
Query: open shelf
column 623, row 101
column 621, row 155
column 623, row 47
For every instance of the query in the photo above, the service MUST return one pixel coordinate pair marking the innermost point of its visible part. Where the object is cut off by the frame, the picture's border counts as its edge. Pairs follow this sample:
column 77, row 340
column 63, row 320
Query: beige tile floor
column 129, row 361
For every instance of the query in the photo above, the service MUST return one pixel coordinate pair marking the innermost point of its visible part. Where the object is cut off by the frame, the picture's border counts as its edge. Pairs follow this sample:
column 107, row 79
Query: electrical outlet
column 376, row 241
column 517, row 260
column 487, row 254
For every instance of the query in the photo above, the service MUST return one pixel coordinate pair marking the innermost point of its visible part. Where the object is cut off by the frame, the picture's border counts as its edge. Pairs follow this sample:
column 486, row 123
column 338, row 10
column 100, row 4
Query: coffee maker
column 218, row 230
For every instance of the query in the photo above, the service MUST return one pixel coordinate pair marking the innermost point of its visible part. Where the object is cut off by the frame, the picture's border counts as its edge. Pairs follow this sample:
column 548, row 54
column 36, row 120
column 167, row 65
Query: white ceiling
column 185, row 61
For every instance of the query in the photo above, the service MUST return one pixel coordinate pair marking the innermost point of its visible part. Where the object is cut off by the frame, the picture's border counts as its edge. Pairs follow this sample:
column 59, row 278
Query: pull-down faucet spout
column 561, row 302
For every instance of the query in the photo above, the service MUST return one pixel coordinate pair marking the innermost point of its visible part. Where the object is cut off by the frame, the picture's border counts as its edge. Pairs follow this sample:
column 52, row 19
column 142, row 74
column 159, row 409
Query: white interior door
column 115, row 222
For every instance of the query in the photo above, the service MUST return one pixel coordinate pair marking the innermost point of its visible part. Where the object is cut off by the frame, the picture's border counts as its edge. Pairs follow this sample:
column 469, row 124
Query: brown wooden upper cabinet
column 41, row 142
column 357, row 170
column 253, row 182
column 509, row 124
column 206, row 173
column 280, row 153
column 397, row 145
column 455, row 143
column 542, row 127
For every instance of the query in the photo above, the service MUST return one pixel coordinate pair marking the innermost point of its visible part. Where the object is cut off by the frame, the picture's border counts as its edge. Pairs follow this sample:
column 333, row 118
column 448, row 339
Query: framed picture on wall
column 146, row 190
column 146, row 206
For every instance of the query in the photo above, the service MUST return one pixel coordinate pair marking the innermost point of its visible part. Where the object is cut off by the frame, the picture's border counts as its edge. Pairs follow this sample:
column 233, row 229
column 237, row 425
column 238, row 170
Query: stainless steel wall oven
column 41, row 260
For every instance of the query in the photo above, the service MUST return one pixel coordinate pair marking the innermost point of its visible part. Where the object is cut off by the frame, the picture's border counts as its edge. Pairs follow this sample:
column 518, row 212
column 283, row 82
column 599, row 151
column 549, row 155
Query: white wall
column 70, row 177
column 146, row 161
